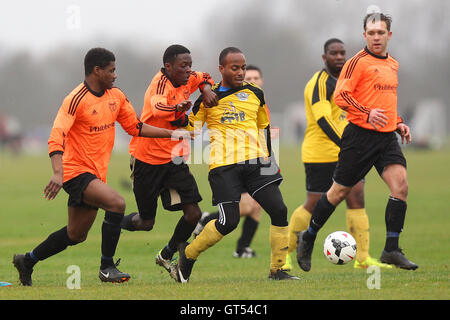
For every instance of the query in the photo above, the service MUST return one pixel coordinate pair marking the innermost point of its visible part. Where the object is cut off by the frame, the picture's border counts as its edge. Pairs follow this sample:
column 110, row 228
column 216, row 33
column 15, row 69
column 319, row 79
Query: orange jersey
column 84, row 129
column 159, row 110
column 368, row 81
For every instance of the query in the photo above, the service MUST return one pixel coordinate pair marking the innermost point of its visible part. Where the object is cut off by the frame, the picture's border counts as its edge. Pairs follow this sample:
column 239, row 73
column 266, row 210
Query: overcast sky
column 44, row 24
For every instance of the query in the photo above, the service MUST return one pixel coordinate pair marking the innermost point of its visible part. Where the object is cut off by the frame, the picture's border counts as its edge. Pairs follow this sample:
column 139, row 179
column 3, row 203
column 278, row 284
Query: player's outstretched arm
column 55, row 183
column 155, row 132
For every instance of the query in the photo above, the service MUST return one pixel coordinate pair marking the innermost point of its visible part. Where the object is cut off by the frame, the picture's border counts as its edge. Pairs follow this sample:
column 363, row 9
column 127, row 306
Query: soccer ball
column 339, row 247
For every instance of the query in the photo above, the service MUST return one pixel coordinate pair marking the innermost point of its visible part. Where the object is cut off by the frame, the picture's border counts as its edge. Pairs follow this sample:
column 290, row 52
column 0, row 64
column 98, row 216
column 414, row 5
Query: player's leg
column 251, row 210
column 99, row 194
column 358, row 225
column 225, row 184
column 81, row 217
column 396, row 178
column 271, row 200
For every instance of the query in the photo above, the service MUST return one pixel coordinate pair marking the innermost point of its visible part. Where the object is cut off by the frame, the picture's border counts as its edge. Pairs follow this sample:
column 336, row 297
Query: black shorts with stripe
column 174, row 182
column 361, row 149
column 230, row 181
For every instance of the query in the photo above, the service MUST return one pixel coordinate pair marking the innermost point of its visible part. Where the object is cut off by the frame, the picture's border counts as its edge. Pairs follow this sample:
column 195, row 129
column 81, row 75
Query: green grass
column 27, row 219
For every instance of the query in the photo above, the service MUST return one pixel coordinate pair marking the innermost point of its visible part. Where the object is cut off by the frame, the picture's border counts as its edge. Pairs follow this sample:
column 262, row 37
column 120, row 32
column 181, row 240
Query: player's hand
column 181, row 134
column 377, row 118
column 183, row 106
column 210, row 98
column 53, row 187
column 404, row 132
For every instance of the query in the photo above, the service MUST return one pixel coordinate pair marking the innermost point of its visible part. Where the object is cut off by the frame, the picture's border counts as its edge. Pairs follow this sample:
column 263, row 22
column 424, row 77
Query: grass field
column 27, row 219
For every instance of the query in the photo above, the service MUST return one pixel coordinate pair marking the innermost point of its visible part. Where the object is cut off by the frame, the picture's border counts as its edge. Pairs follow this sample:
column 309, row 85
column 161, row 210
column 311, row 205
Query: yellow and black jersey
column 325, row 121
column 238, row 126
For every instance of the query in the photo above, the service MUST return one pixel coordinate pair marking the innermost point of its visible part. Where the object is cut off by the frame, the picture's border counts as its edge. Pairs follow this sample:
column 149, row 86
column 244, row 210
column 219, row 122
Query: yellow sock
column 299, row 222
column 279, row 245
column 358, row 226
column 207, row 238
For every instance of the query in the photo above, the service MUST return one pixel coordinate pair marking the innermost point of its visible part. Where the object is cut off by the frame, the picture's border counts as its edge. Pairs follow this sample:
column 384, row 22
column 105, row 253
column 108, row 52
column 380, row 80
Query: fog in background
column 43, row 43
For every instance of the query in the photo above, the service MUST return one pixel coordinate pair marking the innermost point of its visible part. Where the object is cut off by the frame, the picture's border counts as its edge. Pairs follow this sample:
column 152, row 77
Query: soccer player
column 367, row 90
column 248, row 207
column 159, row 167
column 237, row 162
column 320, row 148
column 80, row 146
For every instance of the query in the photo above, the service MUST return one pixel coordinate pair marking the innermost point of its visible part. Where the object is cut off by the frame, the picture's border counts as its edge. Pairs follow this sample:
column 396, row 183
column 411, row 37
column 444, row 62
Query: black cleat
column 304, row 252
column 184, row 266
column 24, row 272
column 281, row 275
column 112, row 274
column 397, row 258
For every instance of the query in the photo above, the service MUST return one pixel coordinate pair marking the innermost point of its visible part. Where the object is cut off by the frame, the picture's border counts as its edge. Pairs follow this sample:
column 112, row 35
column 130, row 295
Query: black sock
column 110, row 237
column 395, row 219
column 320, row 215
column 182, row 232
column 55, row 243
column 248, row 231
column 127, row 222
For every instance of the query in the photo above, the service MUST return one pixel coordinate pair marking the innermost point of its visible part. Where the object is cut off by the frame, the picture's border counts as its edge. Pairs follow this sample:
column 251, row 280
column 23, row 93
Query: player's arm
column 204, row 83
column 130, row 123
column 321, row 110
column 197, row 117
column 56, row 144
column 263, row 124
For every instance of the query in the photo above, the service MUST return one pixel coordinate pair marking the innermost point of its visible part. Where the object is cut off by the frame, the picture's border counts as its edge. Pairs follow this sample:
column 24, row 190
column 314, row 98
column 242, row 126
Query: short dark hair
column 378, row 16
column 97, row 57
column 330, row 41
column 172, row 51
column 253, row 67
column 225, row 52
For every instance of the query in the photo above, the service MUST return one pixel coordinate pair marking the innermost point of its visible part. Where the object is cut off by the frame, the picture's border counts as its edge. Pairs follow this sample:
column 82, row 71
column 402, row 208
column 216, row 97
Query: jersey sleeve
column 197, row 117
column 127, row 117
column 160, row 107
column 63, row 122
column 198, row 80
column 343, row 95
column 321, row 110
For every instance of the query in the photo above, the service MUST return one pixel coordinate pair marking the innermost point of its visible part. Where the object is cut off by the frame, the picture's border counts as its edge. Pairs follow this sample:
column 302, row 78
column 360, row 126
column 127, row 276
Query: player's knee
column 192, row 214
column 118, row 205
column 401, row 190
column 229, row 218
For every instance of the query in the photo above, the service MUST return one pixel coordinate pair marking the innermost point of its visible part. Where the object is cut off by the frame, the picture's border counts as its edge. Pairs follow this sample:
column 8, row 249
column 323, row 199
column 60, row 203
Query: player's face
column 233, row 70
column 377, row 37
column 334, row 58
column 107, row 75
column 180, row 70
column 254, row 76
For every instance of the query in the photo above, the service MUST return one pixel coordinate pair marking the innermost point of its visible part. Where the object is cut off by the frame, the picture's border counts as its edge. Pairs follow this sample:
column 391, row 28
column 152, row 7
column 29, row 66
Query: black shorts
column 319, row 176
column 228, row 182
column 361, row 149
column 174, row 182
column 75, row 188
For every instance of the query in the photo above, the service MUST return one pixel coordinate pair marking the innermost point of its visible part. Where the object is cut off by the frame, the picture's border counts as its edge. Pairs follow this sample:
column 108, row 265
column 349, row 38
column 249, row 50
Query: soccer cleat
column 369, row 261
column 247, row 252
column 281, row 275
column 167, row 264
column 184, row 266
column 304, row 252
column 288, row 265
column 112, row 274
column 201, row 224
column 24, row 272
column 398, row 259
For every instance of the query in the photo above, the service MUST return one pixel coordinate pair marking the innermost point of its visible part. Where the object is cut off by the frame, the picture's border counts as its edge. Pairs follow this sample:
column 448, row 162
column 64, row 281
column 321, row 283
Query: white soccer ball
column 339, row 247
